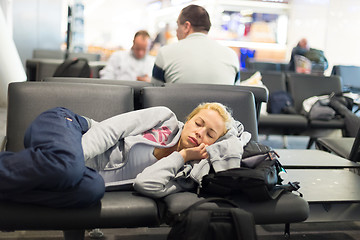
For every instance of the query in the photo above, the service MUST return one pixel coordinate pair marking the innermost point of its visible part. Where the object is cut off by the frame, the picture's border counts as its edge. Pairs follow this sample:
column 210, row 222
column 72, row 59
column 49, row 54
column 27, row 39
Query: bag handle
column 217, row 199
column 212, row 199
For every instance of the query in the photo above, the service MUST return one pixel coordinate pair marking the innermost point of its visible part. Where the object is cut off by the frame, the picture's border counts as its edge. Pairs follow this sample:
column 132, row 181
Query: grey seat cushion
column 135, row 85
column 330, row 124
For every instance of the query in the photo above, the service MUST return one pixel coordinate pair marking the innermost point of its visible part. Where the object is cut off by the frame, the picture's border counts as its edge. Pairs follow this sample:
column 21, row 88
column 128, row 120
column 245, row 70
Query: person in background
column 317, row 62
column 195, row 58
column 301, row 49
column 132, row 65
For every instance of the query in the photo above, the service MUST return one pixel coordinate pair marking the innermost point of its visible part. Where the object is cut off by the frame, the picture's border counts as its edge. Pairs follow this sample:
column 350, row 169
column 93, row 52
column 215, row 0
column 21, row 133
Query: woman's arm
column 101, row 136
column 158, row 180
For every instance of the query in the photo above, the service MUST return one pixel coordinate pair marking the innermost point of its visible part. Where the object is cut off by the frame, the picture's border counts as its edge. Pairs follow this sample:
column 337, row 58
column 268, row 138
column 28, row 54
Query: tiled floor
column 300, row 231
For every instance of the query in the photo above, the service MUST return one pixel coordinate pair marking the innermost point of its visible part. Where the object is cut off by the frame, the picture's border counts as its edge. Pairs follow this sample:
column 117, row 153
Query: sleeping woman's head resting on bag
column 210, row 136
column 204, row 125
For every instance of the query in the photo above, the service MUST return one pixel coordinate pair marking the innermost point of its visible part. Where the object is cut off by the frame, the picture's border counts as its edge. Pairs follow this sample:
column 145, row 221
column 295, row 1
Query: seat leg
column 74, row 234
column 285, row 141
column 96, row 233
column 287, row 231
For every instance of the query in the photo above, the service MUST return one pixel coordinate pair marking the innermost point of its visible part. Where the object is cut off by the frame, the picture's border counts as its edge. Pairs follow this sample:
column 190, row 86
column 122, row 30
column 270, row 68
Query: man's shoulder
column 170, row 47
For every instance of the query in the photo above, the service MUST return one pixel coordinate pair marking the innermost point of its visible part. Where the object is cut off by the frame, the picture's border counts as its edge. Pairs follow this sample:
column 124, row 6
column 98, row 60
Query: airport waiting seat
column 38, row 69
column 273, row 80
column 29, row 99
column 350, row 76
column 136, row 85
column 119, row 209
column 303, row 86
column 289, row 208
column 279, row 123
column 60, row 54
column 346, row 147
column 260, row 93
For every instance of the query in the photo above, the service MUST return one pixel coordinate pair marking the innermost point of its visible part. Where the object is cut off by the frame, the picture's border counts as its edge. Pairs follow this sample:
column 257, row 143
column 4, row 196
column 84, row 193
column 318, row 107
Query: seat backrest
column 28, row 99
column 350, row 76
column 60, row 54
column 303, row 86
column 182, row 100
column 246, row 74
column 88, row 56
column 136, row 85
column 274, row 81
column 48, row 53
column 265, row 66
column 46, row 68
column 38, row 69
column 261, row 94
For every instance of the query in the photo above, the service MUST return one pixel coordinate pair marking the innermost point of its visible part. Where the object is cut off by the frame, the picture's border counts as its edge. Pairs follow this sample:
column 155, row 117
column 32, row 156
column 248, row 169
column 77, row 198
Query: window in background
column 251, row 26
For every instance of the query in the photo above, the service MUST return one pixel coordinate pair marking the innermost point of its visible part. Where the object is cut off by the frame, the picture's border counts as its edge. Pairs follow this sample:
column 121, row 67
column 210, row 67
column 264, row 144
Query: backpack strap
column 261, row 191
column 291, row 186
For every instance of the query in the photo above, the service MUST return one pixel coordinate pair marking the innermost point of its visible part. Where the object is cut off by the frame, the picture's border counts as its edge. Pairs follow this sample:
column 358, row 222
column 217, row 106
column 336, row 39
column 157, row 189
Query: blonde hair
column 224, row 112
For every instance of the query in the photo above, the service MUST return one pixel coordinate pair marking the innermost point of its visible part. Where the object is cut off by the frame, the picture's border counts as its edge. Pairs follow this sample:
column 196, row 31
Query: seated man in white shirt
column 195, row 58
column 132, row 65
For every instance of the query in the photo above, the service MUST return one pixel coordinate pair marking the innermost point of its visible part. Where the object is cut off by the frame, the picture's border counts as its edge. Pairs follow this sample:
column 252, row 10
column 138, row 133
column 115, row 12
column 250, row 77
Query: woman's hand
column 195, row 153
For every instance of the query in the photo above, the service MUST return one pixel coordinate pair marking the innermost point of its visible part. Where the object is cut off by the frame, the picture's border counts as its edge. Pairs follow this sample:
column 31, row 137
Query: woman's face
column 205, row 127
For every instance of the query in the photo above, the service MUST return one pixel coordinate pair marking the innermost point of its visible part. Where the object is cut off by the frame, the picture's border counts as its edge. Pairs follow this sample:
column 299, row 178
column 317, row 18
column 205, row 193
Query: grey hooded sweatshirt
column 106, row 145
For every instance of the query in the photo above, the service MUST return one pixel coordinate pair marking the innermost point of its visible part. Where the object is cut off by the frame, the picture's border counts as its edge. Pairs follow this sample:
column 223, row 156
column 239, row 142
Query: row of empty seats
column 300, row 87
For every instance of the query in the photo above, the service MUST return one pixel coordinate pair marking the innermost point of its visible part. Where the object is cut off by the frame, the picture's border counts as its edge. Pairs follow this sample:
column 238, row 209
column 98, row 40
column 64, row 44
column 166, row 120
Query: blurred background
column 268, row 29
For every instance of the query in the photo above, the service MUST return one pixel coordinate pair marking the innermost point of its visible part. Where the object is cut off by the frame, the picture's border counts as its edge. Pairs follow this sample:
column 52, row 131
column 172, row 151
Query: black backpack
column 221, row 223
column 77, row 67
column 257, row 178
column 280, row 102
